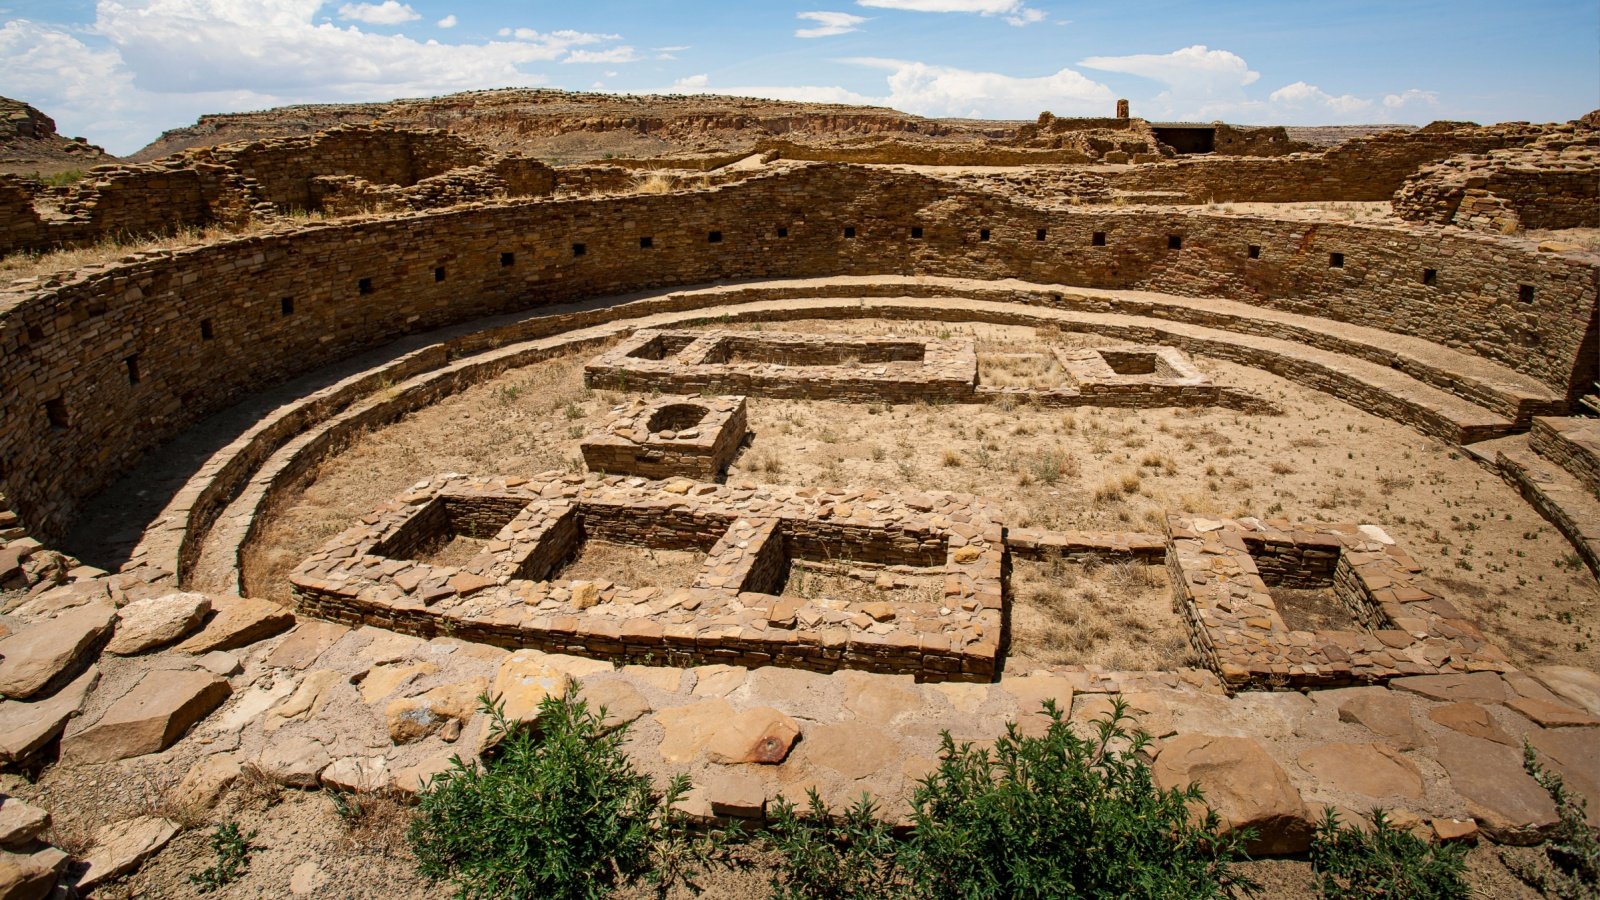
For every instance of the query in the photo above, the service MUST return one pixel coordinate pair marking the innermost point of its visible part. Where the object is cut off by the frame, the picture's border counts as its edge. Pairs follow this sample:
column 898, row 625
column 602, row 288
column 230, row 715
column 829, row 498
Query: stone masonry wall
column 207, row 325
column 1547, row 185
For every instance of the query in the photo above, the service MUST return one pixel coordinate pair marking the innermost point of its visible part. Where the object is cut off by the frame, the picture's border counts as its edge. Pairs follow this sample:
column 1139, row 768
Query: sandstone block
column 411, row 719
column 296, row 762
column 1384, row 713
column 149, row 623
column 122, row 847
column 1578, row 686
column 206, row 780
column 20, row 821
column 149, row 718
column 761, row 735
column 309, row 640
column 238, row 622
column 49, row 649
column 1245, row 786
column 1372, row 770
column 1509, row 805
column 26, row 727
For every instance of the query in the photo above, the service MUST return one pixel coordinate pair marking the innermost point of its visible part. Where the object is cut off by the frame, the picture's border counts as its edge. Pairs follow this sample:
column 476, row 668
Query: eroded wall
column 206, row 326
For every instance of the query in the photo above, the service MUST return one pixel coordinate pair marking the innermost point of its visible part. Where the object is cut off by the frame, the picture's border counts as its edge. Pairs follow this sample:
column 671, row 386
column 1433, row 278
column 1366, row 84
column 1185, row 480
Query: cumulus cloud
column 116, row 83
column 1015, row 11
column 388, row 12
column 1198, row 82
column 1303, row 96
column 449, row 21
column 1410, row 97
column 930, row 90
column 828, row 24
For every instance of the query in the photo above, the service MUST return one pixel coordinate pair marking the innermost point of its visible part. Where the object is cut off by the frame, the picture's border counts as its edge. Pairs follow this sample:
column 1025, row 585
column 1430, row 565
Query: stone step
column 1558, row 496
column 1573, row 443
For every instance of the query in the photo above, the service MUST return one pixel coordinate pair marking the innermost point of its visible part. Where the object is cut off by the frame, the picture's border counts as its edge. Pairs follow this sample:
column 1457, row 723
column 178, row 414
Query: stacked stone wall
column 208, row 325
column 1553, row 184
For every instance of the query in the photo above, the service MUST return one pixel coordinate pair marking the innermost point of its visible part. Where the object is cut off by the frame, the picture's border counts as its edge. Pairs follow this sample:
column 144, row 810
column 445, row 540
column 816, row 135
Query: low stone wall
column 1571, row 443
column 504, row 596
column 1221, row 572
column 1554, row 183
column 669, row 436
column 207, row 325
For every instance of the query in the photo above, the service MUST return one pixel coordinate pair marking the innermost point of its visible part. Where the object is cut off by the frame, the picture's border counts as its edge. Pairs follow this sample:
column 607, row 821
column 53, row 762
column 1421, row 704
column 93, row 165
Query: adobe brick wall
column 283, row 304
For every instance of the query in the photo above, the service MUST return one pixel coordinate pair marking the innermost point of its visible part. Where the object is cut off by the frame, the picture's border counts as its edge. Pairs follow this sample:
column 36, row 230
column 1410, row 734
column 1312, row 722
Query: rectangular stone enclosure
column 731, row 611
column 1224, row 572
column 669, row 436
column 800, row 366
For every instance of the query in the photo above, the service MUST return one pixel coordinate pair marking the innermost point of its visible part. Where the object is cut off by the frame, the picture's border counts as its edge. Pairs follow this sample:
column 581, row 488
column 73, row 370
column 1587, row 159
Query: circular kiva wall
column 98, row 367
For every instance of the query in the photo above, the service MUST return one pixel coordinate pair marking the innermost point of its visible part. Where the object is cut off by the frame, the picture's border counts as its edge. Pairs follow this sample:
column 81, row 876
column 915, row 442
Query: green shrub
column 1387, row 863
column 232, row 849
column 1052, row 816
column 1573, row 848
column 557, row 813
column 851, row 857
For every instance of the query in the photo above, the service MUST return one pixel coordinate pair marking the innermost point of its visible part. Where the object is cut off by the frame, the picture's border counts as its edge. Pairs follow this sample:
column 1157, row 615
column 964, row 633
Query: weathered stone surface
column 149, row 623
column 21, row 878
column 121, row 847
column 689, row 728
column 381, row 681
column 26, row 727
column 414, row 778
column 1033, row 690
column 1509, row 805
column 307, row 701
column 357, row 773
column 307, row 878
column 1372, row 770
column 760, row 735
column 737, row 793
column 622, row 702
column 1384, row 713
column 1478, row 687
column 1455, row 831
column 524, row 680
column 414, row 718
column 294, row 761
column 1580, row 686
column 1472, row 719
column 206, row 780
column 1553, row 715
column 853, row 749
column 48, row 649
column 149, row 718
column 238, row 622
column 1243, row 784
column 20, row 821
column 1573, row 754
column 659, row 677
column 879, row 699
column 309, row 640
column 717, row 680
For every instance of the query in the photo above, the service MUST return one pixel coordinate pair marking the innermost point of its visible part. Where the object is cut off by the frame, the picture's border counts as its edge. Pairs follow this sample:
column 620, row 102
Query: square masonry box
column 669, row 436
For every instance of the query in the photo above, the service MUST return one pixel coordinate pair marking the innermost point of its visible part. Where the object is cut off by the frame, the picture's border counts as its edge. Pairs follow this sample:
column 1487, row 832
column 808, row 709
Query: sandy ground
column 1095, row 469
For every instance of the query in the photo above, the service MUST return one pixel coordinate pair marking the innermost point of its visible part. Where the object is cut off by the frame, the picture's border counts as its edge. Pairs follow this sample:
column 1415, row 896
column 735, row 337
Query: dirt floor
column 1090, row 468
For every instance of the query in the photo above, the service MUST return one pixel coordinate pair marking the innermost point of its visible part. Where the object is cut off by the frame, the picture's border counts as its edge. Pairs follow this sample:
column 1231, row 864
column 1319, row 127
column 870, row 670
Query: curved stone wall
column 100, row 367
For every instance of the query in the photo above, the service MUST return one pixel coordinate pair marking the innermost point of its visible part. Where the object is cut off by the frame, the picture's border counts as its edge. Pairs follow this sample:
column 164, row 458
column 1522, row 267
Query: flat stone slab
column 309, row 640
column 1372, row 770
column 1507, row 803
column 239, row 622
column 149, row 623
column 1243, row 784
column 21, row 821
column 149, row 718
column 1384, row 713
column 48, row 649
column 121, row 847
column 1579, row 686
column 1478, row 687
column 27, row 727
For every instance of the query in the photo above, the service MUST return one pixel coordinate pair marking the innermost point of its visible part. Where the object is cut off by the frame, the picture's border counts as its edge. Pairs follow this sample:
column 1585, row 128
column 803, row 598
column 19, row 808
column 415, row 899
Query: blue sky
column 121, row 71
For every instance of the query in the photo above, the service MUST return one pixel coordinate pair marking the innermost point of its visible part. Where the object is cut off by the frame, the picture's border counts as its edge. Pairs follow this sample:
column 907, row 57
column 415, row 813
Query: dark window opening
column 507, row 260
column 1430, row 277
column 1174, row 242
column 1039, row 235
column 1255, row 251
column 1335, row 260
column 438, row 274
column 1099, row 239
column 56, row 411
column 983, row 234
column 286, row 306
column 1525, row 293
column 132, row 363
column 579, row 250
column 206, row 332
column 97, row 309
column 916, row 232
column 783, row 232
column 714, row 237
column 35, row 333
column 364, row 286
column 645, row 243
column 849, row 231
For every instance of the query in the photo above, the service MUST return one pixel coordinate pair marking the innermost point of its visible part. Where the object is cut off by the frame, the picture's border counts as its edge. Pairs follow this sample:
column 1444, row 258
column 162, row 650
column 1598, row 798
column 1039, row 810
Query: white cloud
column 1409, row 97
column 940, row 91
column 1199, row 82
column 449, row 21
column 622, row 54
column 389, row 12
column 1015, row 11
column 828, row 24
column 1025, row 17
column 1309, row 97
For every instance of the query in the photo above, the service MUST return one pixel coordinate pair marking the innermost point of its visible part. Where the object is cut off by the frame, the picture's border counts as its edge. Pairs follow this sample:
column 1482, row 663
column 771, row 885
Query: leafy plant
column 560, row 812
column 1387, row 863
column 232, row 849
column 1052, row 816
column 853, row 857
column 1573, row 848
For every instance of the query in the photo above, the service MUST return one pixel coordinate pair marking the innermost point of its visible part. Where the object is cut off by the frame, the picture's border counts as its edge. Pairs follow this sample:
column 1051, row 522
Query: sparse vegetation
column 1385, row 863
column 232, row 849
column 1573, row 847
